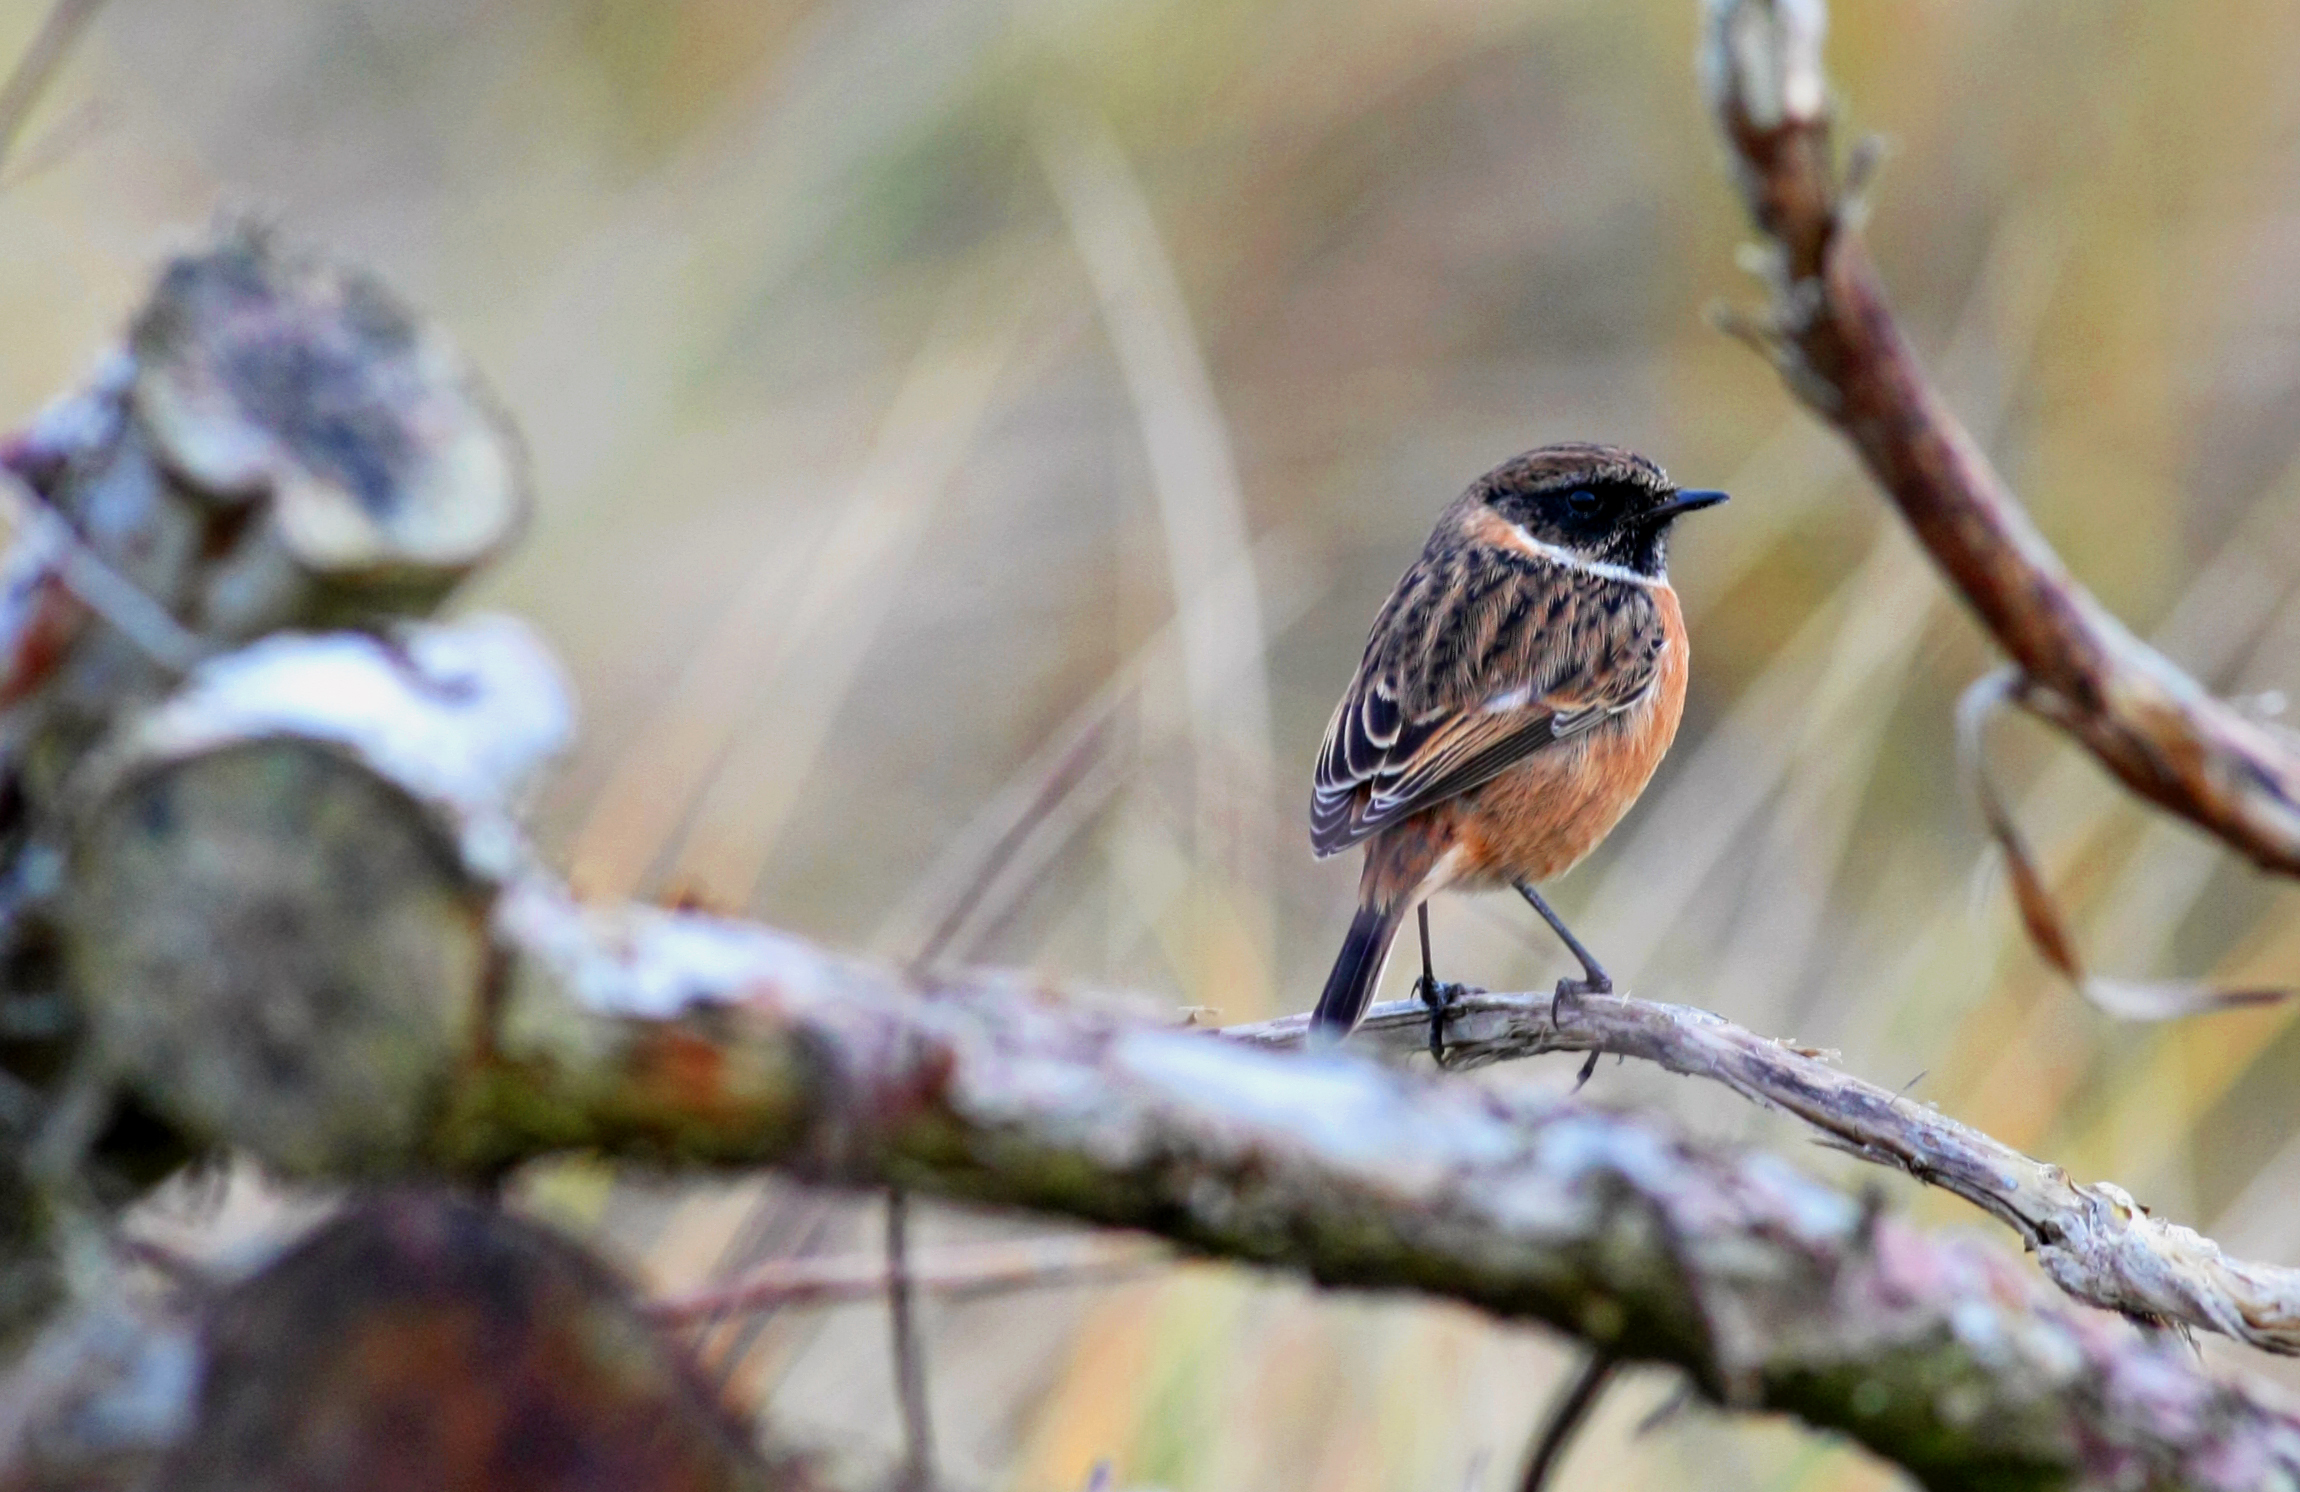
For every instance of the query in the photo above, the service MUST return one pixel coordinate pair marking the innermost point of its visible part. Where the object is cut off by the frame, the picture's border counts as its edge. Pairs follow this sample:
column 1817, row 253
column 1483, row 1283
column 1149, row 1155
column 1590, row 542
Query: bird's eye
column 1582, row 500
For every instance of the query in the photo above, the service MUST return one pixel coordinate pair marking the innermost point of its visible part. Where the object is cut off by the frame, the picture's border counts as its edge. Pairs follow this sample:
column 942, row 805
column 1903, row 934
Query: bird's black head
column 1598, row 502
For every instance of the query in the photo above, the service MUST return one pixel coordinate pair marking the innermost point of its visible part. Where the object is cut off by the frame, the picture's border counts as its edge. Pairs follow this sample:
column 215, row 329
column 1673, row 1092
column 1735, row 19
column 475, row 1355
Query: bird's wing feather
column 1477, row 662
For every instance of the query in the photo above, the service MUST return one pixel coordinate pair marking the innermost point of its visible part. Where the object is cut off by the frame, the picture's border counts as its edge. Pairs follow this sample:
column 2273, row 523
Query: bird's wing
column 1477, row 662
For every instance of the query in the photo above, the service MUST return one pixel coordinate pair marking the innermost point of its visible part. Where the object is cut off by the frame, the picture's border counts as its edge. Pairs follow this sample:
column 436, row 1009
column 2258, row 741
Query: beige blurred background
column 950, row 416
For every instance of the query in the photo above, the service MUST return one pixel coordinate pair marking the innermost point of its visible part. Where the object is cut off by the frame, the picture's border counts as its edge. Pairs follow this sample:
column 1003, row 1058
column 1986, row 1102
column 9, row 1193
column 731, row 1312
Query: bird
column 1517, row 691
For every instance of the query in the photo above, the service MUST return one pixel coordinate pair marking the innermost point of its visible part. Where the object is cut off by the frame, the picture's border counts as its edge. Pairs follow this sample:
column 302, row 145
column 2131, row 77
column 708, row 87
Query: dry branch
column 1834, row 339
column 2092, row 1238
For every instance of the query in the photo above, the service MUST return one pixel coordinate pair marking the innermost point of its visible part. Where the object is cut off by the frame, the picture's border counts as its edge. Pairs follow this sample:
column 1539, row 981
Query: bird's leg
column 1438, row 997
column 1593, row 981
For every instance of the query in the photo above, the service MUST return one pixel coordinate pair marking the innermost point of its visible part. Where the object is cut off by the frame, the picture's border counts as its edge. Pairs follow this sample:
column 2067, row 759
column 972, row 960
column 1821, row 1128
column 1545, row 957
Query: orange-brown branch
column 1833, row 335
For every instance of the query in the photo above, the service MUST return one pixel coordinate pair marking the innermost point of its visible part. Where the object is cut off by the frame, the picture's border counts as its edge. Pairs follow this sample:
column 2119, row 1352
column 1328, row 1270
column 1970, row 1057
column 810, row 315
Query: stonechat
column 1516, row 693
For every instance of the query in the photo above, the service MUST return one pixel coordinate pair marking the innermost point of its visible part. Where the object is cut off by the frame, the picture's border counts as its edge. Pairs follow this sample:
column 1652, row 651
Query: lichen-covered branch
column 1834, row 339
column 2092, row 1238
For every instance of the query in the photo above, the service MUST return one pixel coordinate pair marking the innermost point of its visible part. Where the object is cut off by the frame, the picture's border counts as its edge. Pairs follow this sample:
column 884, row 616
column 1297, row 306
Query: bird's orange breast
column 1539, row 818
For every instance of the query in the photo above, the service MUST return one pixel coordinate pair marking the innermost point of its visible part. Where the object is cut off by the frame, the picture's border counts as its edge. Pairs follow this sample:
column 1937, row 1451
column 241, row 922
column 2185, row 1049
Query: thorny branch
column 1830, row 332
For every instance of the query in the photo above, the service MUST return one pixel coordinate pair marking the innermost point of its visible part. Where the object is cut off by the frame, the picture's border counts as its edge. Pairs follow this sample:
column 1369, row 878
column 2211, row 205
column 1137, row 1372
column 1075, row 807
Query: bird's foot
column 1570, row 990
column 1440, row 996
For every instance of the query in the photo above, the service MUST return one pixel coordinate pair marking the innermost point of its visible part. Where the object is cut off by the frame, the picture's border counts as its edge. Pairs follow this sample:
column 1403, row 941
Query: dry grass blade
column 1201, row 502
column 850, row 594
column 1706, row 813
column 795, row 635
column 59, row 31
column 1081, row 754
column 985, row 869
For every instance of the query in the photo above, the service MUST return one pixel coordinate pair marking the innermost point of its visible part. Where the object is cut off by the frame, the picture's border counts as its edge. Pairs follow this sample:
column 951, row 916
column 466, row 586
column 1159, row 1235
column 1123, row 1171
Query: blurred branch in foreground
column 281, row 905
column 1831, row 334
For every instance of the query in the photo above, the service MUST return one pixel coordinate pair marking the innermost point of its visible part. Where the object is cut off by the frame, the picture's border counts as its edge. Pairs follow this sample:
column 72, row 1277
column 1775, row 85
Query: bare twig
column 2093, row 1239
column 984, row 871
column 2048, row 931
column 47, row 547
column 959, row 1273
column 918, row 1474
column 1565, row 1417
column 1829, row 331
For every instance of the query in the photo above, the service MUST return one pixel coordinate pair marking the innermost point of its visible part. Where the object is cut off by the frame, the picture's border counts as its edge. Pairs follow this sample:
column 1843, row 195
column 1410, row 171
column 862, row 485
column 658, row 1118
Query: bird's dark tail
column 1350, row 988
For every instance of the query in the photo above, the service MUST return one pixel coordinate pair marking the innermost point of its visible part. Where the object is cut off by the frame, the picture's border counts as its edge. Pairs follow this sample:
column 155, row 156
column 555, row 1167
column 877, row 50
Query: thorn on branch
column 1863, row 164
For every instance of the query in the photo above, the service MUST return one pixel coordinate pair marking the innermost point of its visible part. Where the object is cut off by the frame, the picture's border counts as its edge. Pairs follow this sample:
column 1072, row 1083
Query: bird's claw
column 1440, row 996
column 1569, row 990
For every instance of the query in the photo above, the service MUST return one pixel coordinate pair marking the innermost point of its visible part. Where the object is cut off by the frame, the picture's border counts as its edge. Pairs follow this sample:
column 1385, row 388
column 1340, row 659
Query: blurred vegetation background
column 977, row 434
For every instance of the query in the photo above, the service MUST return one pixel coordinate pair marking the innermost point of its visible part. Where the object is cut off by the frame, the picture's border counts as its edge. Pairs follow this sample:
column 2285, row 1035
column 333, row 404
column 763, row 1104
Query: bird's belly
column 1540, row 818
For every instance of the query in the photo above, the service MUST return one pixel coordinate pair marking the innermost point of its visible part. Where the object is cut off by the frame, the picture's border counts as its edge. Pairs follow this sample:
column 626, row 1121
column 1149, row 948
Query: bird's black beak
column 1680, row 505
